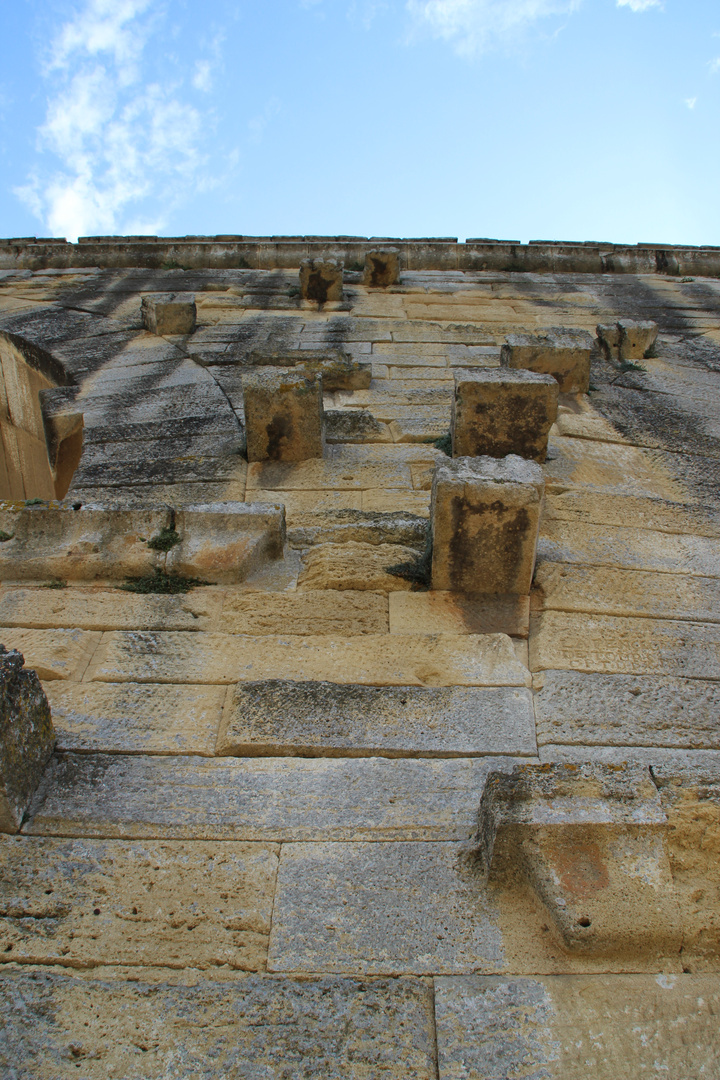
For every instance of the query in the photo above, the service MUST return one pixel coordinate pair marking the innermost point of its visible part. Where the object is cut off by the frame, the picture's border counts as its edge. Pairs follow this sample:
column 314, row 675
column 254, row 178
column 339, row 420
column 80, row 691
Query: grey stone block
column 27, row 738
column 503, row 411
column 564, row 354
column 283, row 415
column 169, row 313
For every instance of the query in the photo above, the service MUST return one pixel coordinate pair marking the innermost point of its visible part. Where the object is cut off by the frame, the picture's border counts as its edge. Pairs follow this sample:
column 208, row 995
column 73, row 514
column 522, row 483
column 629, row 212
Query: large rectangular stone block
column 26, row 738
column 321, row 280
column 283, row 415
column 169, row 313
column 564, row 354
column 501, row 411
column 382, row 267
column 485, row 520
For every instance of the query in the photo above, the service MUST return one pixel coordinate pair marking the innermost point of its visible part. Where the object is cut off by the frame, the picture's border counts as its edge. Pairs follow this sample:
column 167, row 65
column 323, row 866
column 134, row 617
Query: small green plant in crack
column 651, row 352
column 355, row 267
column 629, row 365
column 160, row 582
column 166, row 539
column 5, row 536
column 58, row 583
column 686, row 280
column 444, row 443
column 35, row 502
column 294, row 290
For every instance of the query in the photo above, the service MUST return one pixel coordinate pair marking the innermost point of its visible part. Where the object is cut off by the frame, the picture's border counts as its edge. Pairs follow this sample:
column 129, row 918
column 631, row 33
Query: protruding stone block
column 321, row 280
column 564, row 354
column 382, row 268
column 283, row 415
column 485, row 519
column 27, row 738
column 500, row 411
column 169, row 313
column 609, row 339
column 636, row 338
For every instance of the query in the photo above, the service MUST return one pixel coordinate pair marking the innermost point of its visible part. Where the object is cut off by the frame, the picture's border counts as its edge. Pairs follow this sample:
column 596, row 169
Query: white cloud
column 691, row 102
column 715, row 65
column 639, row 5
column 473, row 25
column 117, row 139
column 202, row 79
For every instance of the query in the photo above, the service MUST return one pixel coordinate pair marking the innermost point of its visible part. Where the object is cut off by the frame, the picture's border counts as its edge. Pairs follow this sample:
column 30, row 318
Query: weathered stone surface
column 169, row 313
column 608, row 591
column 503, row 411
column 455, row 613
column 366, row 527
column 410, row 502
column 260, row 798
column 604, row 643
column 589, row 709
column 562, row 353
column 380, row 909
column 53, row 654
column 26, row 738
column 658, row 515
column 636, row 338
column 328, row 475
column 485, row 516
column 611, row 468
column 571, row 1026
column 354, row 565
column 355, row 426
column 338, row 369
column 321, row 611
column 628, row 548
column 249, row 1027
column 609, row 339
column 299, row 504
column 325, row 719
column 106, row 609
column 382, row 267
column 87, row 902
column 128, row 719
column 283, row 415
column 371, row 659
column 321, row 280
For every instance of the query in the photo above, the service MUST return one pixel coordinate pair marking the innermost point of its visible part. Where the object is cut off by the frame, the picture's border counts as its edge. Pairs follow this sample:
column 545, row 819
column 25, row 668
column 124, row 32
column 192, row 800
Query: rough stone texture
column 503, row 411
column 574, row 707
column 572, row 1026
column 325, row 719
column 104, row 609
column 354, row 565
column 485, row 517
column 372, row 659
column 283, row 415
column 338, row 369
column 629, row 548
column 53, row 654
column 263, row 799
column 87, row 902
column 127, row 718
column 26, row 738
column 273, row 1027
column 321, row 280
column 562, row 353
column 609, row 339
column 382, row 267
column 169, row 313
column 320, row 611
column 636, row 338
column 454, row 613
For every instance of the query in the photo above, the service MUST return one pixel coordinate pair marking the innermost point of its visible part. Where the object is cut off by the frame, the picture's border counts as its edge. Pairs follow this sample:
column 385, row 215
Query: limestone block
column 412, row 502
column 630, row 548
column 113, row 902
column 417, row 430
column 371, row 659
column 338, row 369
column 299, row 504
column 108, row 609
column 260, row 799
column 27, row 738
column 503, row 411
column 169, row 313
column 590, row 709
column 283, row 415
column 355, row 425
column 455, row 613
column 382, row 908
column 609, row 339
column 562, row 353
column 53, row 654
column 382, row 267
column 361, row 526
column 636, row 338
column 355, row 565
column 325, row 719
column 328, row 475
column 127, row 718
column 598, row 508
column 485, row 516
column 570, row 1026
column 249, row 1027
column 611, row 468
column 226, row 542
column 321, row 280
column 321, row 611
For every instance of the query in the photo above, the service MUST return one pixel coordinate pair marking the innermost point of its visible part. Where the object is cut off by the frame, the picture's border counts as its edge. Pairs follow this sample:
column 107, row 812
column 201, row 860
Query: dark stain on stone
column 279, row 434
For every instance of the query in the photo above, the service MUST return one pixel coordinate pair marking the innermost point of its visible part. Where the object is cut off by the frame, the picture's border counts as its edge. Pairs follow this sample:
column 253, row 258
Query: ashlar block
column 636, row 338
column 283, row 415
column 564, row 354
column 169, row 313
column 321, row 280
column 500, row 411
column 382, row 268
column 27, row 737
column 485, row 517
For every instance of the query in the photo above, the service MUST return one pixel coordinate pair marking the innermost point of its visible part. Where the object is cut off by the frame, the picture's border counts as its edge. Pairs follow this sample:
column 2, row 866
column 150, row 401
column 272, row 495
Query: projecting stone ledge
column 485, row 520
column 27, row 738
column 627, row 339
column 564, row 354
column 321, row 280
column 503, row 411
column 283, row 415
column 169, row 313
column 382, row 268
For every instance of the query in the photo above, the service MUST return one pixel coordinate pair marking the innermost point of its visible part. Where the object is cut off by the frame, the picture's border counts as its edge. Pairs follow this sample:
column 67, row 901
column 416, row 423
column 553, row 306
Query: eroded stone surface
column 562, row 353
column 356, row 565
column 455, row 613
column 313, row 611
column 104, row 609
column 283, row 415
column 26, row 738
column 503, row 411
column 53, row 654
column 169, row 313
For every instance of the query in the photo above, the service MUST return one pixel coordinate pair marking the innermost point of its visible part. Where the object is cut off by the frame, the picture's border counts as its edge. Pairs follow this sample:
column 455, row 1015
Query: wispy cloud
column 691, row 102
column 640, row 5
column 117, row 139
column 475, row 25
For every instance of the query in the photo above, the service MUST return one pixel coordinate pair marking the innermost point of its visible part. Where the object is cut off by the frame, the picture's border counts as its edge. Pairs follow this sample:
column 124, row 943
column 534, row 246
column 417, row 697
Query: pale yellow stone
column 322, row 611
column 388, row 502
column 371, row 659
column 355, row 565
column 108, row 609
column 637, row 549
column 326, row 475
column 54, row 654
column 601, row 508
column 422, row 477
column 455, row 613
column 626, row 470
column 300, row 503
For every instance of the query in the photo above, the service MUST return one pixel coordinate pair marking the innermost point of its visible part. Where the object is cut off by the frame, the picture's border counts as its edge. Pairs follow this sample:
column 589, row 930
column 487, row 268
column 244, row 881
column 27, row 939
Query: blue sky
column 515, row 119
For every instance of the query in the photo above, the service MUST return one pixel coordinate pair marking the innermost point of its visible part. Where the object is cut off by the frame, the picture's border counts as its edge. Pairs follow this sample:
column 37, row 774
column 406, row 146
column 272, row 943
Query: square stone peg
column 627, row 339
column 321, row 279
column 169, row 313
column 382, row 268
column 27, row 738
column 283, row 415
column 485, row 516
column 500, row 411
column 564, row 354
